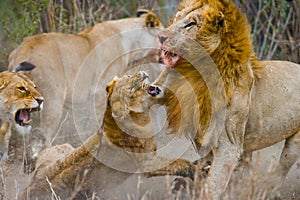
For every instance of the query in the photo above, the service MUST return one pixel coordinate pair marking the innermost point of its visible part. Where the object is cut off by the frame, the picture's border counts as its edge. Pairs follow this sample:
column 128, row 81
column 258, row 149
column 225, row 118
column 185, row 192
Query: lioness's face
column 129, row 94
column 192, row 27
column 18, row 98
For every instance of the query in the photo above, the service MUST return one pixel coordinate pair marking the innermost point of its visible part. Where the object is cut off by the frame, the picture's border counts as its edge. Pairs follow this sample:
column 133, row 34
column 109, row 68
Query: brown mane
column 234, row 58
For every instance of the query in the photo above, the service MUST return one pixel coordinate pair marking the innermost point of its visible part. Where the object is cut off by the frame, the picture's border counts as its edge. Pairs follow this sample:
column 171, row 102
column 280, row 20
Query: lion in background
column 19, row 98
column 243, row 106
column 61, row 58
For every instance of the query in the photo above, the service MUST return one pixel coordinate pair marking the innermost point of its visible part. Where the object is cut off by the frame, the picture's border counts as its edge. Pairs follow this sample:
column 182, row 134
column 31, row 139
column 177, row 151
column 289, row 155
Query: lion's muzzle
column 22, row 116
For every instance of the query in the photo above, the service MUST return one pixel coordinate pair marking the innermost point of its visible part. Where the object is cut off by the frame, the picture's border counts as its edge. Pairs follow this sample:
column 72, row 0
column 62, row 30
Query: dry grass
column 255, row 181
column 246, row 184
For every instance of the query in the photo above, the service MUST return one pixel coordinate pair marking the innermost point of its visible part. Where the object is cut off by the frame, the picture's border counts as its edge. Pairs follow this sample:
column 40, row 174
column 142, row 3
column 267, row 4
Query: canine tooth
column 27, row 121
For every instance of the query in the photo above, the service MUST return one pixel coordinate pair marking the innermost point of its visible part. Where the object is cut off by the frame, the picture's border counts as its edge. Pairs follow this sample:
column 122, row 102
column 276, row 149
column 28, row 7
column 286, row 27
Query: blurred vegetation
column 275, row 23
column 275, row 28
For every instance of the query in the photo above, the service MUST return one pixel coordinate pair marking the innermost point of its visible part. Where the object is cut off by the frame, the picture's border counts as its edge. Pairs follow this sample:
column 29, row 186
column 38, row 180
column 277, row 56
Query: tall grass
column 275, row 28
column 275, row 24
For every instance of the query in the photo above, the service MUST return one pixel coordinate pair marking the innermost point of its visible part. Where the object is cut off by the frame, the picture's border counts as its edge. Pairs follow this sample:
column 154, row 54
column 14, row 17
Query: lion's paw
column 182, row 188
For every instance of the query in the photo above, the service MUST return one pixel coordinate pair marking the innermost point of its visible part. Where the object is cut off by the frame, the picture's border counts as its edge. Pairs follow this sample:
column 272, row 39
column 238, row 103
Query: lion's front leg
column 161, row 166
column 226, row 158
column 5, row 132
column 230, row 147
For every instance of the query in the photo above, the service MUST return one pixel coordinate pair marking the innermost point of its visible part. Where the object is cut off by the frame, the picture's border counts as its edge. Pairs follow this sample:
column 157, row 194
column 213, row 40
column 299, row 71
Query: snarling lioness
column 18, row 99
column 243, row 106
column 106, row 49
column 126, row 139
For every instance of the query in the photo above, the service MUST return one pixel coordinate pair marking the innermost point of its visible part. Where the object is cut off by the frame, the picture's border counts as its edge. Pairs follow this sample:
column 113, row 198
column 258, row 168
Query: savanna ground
column 276, row 35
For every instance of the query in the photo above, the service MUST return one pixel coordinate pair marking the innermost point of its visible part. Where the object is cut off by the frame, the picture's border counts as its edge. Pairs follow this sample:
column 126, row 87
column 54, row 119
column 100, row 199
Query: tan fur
column 71, row 172
column 59, row 57
column 16, row 92
column 232, row 54
column 224, row 33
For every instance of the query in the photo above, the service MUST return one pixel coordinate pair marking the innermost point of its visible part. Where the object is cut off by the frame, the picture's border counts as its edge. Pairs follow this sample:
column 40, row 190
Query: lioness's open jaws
column 22, row 116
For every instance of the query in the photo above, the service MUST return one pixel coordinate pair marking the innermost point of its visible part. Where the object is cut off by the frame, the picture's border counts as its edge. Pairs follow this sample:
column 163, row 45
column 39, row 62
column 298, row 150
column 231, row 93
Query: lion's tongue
column 24, row 116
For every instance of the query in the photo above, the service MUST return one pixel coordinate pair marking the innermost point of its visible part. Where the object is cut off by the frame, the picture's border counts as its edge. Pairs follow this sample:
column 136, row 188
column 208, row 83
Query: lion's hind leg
column 289, row 155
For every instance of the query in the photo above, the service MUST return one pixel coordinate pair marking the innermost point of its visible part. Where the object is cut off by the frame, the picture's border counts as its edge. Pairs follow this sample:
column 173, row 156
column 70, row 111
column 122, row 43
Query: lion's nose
column 153, row 90
column 162, row 38
column 39, row 100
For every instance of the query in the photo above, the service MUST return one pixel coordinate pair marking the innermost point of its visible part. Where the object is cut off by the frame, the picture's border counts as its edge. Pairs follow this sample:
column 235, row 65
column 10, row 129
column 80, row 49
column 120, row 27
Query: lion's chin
column 23, row 130
column 169, row 58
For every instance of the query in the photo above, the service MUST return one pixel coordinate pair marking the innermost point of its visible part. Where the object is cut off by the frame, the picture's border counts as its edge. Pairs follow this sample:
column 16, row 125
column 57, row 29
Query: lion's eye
column 22, row 88
column 190, row 24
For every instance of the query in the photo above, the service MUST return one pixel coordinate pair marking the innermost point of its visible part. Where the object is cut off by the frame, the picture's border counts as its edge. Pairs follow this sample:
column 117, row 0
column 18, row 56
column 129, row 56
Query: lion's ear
column 221, row 21
column 151, row 20
column 24, row 66
column 3, row 82
column 140, row 12
column 110, row 86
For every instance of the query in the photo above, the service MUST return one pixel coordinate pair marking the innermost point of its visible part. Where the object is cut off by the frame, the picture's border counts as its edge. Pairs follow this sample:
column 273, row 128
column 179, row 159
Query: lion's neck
column 203, row 85
column 187, row 98
column 121, row 139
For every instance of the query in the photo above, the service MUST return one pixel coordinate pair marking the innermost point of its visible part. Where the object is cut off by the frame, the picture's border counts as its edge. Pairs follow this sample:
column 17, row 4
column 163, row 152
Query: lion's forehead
column 126, row 81
column 127, row 88
column 25, row 80
column 18, row 81
column 123, row 83
column 190, row 12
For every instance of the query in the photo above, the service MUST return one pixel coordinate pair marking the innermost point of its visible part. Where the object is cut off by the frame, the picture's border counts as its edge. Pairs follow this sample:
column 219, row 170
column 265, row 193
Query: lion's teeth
column 27, row 121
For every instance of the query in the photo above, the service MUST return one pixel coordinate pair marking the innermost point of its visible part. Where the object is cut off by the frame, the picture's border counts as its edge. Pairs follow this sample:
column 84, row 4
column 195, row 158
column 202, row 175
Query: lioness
column 18, row 99
column 61, row 59
column 78, row 173
column 243, row 106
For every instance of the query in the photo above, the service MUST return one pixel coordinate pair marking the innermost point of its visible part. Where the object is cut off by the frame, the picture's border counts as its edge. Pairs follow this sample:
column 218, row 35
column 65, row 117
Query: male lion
column 80, row 172
column 243, row 106
column 18, row 99
column 61, row 59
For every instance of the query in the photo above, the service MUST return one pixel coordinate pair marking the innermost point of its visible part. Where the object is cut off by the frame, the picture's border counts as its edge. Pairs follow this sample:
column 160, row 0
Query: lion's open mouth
column 168, row 58
column 22, row 116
